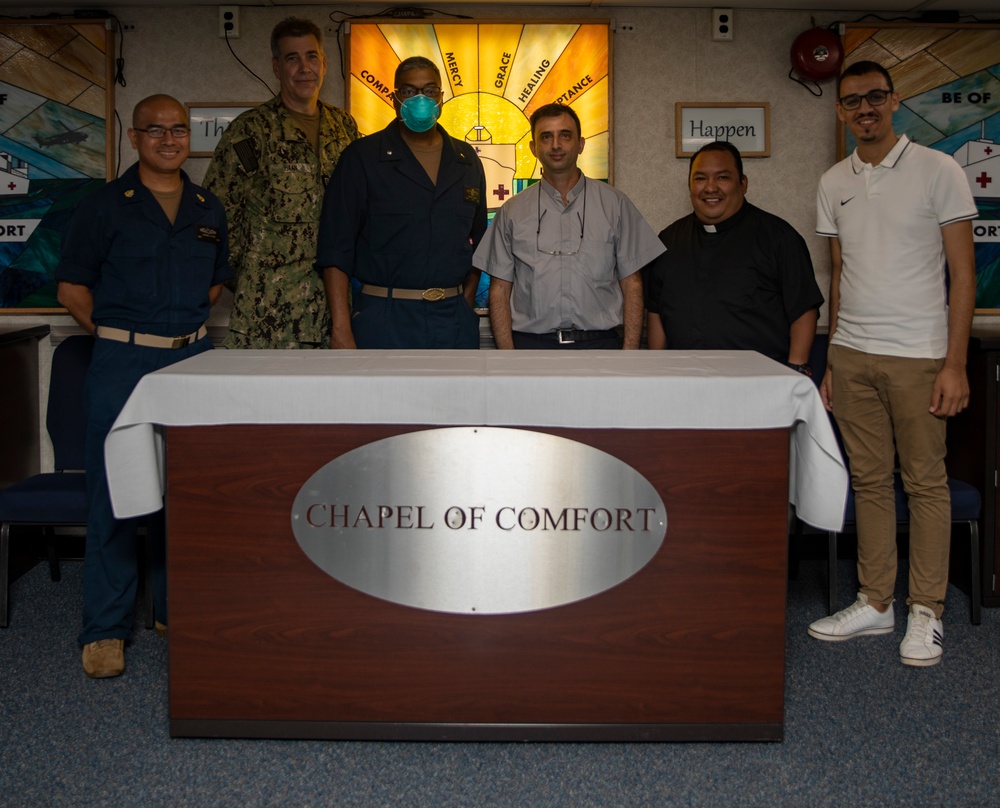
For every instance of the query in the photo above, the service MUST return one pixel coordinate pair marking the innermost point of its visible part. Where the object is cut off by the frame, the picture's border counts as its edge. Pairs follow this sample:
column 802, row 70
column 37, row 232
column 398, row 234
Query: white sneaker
column 923, row 644
column 856, row 620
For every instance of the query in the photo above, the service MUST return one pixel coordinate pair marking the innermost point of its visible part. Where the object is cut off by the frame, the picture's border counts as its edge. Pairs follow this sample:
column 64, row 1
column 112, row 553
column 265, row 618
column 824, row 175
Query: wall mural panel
column 494, row 75
column 55, row 105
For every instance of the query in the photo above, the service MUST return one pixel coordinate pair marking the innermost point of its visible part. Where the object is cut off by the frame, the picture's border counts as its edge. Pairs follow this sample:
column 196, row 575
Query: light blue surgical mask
column 419, row 113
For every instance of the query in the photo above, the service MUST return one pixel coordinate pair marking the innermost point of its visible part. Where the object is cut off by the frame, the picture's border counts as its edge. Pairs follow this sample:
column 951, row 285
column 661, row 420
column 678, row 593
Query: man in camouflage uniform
column 270, row 170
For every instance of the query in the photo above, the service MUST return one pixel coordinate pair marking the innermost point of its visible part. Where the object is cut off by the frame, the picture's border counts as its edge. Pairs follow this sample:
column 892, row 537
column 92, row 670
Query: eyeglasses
column 156, row 132
column 581, row 216
column 431, row 91
column 875, row 98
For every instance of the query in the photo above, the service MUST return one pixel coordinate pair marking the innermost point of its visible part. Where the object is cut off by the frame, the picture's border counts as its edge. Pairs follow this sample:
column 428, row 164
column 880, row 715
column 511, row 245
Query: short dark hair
column 863, row 68
column 718, row 145
column 294, row 26
column 554, row 111
column 415, row 63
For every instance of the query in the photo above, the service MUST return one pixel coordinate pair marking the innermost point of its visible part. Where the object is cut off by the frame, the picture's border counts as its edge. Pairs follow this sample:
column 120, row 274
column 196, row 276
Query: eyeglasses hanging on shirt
column 582, row 216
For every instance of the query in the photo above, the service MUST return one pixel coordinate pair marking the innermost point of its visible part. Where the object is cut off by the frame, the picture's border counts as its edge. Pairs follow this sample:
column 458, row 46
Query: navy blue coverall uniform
column 385, row 223
column 149, row 277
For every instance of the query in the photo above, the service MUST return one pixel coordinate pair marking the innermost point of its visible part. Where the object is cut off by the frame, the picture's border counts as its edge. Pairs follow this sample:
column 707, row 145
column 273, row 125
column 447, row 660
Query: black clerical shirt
column 737, row 285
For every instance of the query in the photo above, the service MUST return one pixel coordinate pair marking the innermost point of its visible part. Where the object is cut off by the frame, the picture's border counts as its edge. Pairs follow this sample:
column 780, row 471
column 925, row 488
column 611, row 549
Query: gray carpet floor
column 860, row 730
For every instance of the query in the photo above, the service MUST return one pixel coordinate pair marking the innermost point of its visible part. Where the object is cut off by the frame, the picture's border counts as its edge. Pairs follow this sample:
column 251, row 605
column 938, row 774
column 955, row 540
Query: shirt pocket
column 463, row 214
column 524, row 244
column 389, row 224
column 197, row 266
column 457, row 228
column 290, row 196
column 744, row 287
column 130, row 271
column 598, row 261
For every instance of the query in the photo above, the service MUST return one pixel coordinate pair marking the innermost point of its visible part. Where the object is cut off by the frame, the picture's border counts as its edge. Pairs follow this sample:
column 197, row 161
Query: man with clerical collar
column 733, row 276
column 564, row 255
column 270, row 169
column 143, row 260
column 401, row 217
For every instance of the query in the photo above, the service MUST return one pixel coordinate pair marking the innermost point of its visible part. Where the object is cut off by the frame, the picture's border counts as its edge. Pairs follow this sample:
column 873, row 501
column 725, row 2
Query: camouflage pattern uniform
column 271, row 183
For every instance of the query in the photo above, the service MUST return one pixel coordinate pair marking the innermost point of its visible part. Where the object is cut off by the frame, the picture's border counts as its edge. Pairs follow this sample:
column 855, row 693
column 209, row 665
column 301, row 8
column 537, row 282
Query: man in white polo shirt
column 895, row 212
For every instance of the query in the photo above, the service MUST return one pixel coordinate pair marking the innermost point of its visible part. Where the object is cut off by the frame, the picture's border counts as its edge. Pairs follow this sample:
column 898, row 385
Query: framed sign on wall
column 747, row 125
column 209, row 120
column 56, row 107
column 948, row 80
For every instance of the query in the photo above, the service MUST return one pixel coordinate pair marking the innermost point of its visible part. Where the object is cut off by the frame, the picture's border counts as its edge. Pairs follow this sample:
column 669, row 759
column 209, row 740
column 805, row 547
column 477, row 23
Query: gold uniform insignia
column 129, row 193
column 471, row 194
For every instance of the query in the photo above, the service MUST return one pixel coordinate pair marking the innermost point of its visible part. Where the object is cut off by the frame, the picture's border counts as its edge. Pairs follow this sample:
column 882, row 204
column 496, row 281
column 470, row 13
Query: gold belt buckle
column 180, row 342
column 433, row 294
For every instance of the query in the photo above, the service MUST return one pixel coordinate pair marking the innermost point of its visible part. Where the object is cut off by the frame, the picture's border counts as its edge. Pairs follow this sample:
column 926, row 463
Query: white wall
column 670, row 57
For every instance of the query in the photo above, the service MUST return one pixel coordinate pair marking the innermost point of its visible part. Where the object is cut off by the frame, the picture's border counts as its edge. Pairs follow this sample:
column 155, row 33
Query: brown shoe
column 104, row 658
column 161, row 629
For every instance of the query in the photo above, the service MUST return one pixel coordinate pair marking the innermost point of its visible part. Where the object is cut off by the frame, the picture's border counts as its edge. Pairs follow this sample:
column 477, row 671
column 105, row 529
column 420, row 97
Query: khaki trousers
column 881, row 406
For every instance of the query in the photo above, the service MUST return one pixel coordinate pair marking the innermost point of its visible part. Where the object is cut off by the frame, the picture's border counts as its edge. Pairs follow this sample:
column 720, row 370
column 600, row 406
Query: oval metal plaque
column 479, row 520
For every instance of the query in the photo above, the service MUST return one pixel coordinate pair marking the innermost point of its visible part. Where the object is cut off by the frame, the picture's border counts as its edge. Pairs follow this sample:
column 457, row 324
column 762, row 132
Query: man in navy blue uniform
column 404, row 211
column 142, row 262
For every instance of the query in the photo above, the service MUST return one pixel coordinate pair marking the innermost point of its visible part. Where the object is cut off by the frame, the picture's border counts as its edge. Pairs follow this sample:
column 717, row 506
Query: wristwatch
column 804, row 369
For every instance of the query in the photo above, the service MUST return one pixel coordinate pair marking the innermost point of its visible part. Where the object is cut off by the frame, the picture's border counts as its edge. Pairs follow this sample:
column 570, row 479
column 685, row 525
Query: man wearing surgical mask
column 402, row 216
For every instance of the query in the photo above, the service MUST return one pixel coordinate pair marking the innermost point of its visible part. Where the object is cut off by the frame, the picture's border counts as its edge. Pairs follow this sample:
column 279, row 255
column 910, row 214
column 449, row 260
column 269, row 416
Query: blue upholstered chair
column 966, row 505
column 56, row 498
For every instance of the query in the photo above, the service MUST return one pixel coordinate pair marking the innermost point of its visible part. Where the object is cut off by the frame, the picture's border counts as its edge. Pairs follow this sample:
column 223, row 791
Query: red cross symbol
column 983, row 180
column 988, row 150
column 12, row 185
column 502, row 192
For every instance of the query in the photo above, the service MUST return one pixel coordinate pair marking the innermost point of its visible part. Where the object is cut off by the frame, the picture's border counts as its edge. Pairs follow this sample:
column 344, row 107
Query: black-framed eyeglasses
column 431, row 91
column 156, row 132
column 582, row 216
column 875, row 98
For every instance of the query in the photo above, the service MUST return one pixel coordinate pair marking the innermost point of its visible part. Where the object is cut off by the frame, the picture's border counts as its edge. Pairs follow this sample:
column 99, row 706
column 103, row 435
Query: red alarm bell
column 817, row 55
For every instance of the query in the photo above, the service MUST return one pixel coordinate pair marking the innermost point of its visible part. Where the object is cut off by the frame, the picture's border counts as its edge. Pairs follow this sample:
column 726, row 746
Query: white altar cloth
column 582, row 389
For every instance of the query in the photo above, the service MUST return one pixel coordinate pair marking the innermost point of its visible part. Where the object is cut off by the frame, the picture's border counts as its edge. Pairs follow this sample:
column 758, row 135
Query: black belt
column 565, row 336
